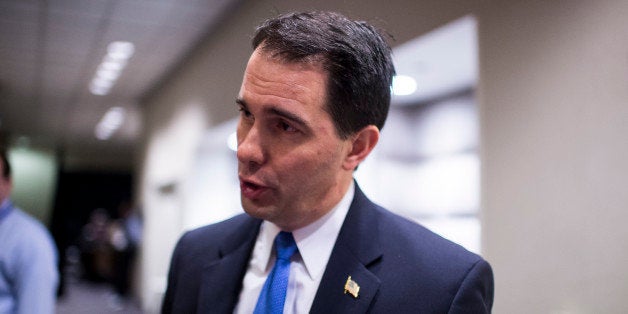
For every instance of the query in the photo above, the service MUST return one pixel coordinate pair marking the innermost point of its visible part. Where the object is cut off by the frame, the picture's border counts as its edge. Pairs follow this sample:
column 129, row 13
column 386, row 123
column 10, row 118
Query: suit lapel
column 355, row 253
column 222, row 279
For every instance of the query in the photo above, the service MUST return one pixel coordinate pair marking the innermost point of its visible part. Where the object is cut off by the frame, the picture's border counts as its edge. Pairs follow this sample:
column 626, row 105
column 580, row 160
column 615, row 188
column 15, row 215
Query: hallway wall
column 554, row 118
column 34, row 176
column 552, row 100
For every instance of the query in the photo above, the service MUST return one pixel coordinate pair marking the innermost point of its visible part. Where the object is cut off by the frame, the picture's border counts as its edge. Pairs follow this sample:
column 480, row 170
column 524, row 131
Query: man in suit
column 314, row 97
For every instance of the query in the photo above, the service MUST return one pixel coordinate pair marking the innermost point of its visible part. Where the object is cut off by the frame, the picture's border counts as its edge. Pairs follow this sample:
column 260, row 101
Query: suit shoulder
column 419, row 260
column 218, row 228
column 208, row 237
column 422, row 243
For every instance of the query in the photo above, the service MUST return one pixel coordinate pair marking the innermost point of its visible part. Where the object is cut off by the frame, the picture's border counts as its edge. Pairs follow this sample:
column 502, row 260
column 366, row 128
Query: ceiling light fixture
column 403, row 85
column 109, row 70
column 110, row 122
column 232, row 141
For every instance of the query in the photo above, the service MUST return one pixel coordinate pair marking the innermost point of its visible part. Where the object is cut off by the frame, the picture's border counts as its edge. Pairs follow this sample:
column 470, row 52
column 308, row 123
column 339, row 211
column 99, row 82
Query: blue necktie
column 273, row 295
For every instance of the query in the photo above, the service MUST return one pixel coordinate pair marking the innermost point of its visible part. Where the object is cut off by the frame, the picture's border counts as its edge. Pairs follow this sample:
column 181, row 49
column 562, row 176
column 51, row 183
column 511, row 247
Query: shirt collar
column 315, row 241
column 5, row 208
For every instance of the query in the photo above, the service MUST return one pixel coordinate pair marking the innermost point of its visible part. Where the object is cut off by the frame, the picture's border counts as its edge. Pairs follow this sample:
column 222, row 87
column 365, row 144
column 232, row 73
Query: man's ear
column 362, row 143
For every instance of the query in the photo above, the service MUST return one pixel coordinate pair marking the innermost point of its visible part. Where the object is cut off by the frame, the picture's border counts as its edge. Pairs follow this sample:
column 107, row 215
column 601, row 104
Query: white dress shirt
column 315, row 243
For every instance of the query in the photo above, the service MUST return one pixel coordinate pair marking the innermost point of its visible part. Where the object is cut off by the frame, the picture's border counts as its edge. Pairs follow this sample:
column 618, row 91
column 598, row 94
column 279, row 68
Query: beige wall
column 552, row 97
column 554, row 118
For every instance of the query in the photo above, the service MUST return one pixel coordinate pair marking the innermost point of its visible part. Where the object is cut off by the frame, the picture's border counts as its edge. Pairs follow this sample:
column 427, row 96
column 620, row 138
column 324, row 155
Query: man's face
column 290, row 158
column 5, row 185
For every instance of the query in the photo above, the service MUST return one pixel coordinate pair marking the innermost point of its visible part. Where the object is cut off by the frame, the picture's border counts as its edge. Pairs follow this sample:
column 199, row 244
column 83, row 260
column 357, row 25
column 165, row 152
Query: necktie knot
column 285, row 245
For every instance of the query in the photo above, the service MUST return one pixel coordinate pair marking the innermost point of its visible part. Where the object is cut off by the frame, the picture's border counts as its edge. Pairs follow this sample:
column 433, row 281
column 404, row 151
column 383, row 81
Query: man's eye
column 244, row 112
column 287, row 127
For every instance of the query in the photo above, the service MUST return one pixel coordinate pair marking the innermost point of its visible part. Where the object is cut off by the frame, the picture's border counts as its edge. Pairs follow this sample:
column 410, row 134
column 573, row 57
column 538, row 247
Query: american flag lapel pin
column 352, row 287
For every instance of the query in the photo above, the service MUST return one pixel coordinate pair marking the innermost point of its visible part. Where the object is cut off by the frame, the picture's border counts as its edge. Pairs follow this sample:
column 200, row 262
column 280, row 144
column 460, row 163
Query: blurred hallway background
column 84, row 297
column 506, row 134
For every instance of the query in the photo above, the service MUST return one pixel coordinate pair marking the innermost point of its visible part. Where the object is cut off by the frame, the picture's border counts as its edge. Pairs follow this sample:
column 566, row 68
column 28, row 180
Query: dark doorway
column 79, row 195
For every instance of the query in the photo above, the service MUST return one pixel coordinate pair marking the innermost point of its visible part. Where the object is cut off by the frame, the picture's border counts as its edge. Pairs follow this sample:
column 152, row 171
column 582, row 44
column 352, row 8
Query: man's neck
column 339, row 191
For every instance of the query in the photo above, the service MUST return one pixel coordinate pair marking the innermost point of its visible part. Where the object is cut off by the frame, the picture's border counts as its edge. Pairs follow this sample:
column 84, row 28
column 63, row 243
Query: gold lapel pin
column 352, row 287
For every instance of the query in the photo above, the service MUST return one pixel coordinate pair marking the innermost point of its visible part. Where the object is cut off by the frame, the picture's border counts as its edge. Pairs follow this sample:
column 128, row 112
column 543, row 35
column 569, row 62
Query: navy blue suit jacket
column 400, row 266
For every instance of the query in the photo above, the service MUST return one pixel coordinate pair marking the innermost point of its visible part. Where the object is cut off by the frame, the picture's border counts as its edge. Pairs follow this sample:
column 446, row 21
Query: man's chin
column 256, row 210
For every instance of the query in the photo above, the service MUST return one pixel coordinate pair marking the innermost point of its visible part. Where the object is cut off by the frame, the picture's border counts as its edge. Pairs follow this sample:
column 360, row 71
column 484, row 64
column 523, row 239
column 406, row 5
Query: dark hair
column 6, row 166
column 353, row 53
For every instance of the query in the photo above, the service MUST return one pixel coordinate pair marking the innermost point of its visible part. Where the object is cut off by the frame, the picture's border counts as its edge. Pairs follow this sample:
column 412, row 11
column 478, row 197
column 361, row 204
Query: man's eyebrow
column 288, row 116
column 278, row 112
column 240, row 102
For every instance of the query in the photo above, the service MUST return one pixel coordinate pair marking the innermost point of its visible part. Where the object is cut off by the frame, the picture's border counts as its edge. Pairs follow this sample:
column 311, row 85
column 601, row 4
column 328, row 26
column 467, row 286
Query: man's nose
column 250, row 146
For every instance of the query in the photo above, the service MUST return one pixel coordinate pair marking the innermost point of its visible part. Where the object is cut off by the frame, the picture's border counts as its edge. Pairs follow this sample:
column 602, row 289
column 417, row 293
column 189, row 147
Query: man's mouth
column 251, row 190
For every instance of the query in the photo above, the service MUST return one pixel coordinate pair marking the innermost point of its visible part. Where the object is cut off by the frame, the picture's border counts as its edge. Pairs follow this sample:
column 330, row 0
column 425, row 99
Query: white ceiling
column 442, row 62
column 49, row 51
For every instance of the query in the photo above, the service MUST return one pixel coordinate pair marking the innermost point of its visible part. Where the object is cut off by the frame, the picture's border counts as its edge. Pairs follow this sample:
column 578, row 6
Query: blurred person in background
column 125, row 234
column 94, row 247
column 314, row 97
column 28, row 257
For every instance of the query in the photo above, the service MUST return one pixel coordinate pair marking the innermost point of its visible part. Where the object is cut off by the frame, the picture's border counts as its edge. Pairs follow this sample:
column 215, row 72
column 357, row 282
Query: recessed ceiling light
column 98, row 89
column 232, row 141
column 109, row 70
column 403, row 85
column 110, row 122
column 108, row 74
column 120, row 49
column 112, row 65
